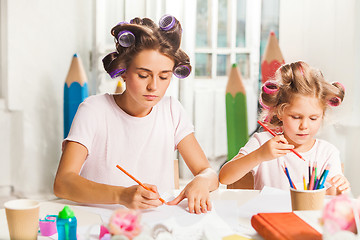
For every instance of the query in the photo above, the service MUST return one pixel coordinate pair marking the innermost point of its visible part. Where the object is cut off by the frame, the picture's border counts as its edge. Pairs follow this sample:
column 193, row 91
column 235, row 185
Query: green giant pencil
column 236, row 112
column 75, row 91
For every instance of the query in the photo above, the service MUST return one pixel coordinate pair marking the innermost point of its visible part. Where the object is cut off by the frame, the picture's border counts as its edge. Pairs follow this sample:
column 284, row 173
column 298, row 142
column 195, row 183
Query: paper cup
column 23, row 218
column 307, row 199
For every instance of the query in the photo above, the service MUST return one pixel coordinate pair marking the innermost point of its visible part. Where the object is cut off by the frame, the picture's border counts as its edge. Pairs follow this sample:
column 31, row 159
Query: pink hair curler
column 342, row 85
column 263, row 105
column 270, row 87
column 334, row 101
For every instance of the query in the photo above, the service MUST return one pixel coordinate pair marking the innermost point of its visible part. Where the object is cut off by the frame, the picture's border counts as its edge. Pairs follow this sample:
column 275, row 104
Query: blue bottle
column 66, row 224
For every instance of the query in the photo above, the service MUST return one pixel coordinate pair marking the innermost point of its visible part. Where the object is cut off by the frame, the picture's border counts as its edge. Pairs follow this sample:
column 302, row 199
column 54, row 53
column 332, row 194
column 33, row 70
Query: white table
column 244, row 200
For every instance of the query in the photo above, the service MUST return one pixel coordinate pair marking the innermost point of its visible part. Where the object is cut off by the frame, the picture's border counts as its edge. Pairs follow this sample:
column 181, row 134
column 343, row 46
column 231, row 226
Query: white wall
column 326, row 34
column 42, row 37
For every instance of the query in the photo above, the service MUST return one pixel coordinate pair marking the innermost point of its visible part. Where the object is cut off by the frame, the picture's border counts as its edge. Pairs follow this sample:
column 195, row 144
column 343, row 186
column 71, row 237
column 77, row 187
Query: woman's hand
column 198, row 195
column 340, row 183
column 137, row 197
column 275, row 147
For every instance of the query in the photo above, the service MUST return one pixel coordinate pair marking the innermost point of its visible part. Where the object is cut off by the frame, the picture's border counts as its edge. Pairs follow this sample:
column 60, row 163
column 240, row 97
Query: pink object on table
column 48, row 225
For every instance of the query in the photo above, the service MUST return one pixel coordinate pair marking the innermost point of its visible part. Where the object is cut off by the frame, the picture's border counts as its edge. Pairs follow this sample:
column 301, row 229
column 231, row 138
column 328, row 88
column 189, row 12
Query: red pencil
column 274, row 134
column 133, row 178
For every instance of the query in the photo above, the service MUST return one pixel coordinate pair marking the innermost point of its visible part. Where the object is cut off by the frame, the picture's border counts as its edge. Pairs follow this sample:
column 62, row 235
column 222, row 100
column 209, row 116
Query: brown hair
column 296, row 78
column 147, row 36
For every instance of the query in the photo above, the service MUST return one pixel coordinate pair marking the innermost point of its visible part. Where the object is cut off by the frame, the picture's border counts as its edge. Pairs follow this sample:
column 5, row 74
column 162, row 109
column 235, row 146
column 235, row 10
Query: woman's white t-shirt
column 144, row 146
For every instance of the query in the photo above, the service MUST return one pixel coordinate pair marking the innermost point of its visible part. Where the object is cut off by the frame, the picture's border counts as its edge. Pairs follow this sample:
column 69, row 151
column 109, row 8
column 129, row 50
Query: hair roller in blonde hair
column 263, row 105
column 334, row 101
column 337, row 83
column 270, row 87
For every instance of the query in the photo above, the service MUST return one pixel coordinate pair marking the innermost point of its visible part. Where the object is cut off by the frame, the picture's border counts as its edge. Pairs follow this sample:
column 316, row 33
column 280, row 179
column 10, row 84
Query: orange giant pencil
column 274, row 134
column 133, row 178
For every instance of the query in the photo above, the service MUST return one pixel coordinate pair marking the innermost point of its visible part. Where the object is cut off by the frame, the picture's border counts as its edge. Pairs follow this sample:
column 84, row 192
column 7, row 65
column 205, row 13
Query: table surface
column 90, row 218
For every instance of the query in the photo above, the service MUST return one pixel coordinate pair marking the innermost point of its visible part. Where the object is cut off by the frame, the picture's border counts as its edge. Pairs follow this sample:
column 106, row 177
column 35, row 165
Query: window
column 221, row 38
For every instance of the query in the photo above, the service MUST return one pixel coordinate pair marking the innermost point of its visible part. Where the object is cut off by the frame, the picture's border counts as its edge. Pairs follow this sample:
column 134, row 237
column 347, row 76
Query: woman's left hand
column 198, row 195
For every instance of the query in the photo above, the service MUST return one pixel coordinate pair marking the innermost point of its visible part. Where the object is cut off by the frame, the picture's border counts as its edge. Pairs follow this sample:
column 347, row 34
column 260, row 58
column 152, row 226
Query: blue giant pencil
column 75, row 91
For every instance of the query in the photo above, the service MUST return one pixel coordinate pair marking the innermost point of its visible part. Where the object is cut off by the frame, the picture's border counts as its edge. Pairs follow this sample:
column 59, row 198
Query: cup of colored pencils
column 307, row 199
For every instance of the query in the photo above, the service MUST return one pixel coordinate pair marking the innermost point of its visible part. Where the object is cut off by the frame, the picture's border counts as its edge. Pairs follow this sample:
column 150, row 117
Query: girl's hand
column 198, row 196
column 340, row 183
column 275, row 147
column 137, row 197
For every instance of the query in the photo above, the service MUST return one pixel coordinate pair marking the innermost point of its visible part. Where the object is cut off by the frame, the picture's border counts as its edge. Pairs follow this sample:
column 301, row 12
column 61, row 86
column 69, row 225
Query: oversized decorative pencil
column 75, row 91
column 272, row 58
column 138, row 182
column 274, row 134
column 119, row 87
column 236, row 112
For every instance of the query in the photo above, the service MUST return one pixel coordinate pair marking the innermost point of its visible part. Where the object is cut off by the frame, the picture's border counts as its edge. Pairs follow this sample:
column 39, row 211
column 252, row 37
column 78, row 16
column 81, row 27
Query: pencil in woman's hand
column 133, row 178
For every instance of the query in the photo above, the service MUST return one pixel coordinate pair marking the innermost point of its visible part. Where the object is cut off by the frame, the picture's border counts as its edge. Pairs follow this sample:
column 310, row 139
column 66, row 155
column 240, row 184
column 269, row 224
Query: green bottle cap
column 66, row 213
column 234, row 65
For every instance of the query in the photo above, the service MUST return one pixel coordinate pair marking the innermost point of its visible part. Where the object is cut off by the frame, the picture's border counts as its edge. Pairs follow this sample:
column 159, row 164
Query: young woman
column 138, row 130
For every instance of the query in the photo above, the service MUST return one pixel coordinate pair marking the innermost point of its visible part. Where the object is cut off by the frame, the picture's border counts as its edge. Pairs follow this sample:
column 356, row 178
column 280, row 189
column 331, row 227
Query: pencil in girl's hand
column 274, row 134
column 133, row 178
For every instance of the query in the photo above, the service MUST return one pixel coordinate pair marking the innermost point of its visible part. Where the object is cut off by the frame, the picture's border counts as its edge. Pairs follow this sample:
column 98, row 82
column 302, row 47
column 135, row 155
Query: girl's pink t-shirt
column 145, row 147
column 270, row 173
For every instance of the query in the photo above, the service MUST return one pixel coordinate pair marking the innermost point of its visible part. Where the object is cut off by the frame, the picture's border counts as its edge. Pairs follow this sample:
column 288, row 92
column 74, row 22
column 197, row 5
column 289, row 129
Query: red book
column 283, row 226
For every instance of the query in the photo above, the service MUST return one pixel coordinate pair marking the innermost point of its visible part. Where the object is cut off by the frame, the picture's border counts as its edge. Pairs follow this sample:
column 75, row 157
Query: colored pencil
column 323, row 171
column 289, row 178
column 274, row 134
column 309, row 171
column 236, row 112
column 133, row 178
column 311, row 184
column 316, row 184
column 305, row 188
column 75, row 91
column 326, row 172
column 315, row 166
column 272, row 58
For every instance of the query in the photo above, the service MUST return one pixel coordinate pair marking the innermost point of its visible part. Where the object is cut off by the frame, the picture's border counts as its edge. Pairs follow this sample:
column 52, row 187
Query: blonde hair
column 296, row 78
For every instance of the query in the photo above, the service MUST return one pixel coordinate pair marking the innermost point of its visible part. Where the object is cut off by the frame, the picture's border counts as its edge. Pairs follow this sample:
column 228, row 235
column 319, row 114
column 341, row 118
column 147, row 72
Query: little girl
column 138, row 130
column 294, row 104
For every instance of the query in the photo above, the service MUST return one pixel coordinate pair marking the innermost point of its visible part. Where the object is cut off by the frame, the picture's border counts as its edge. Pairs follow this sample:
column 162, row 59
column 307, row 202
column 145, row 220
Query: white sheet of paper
column 269, row 200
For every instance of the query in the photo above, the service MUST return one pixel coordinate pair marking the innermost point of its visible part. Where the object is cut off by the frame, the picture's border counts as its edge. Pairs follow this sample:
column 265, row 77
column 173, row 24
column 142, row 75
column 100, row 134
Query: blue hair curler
column 126, row 38
column 166, row 22
column 182, row 71
column 117, row 73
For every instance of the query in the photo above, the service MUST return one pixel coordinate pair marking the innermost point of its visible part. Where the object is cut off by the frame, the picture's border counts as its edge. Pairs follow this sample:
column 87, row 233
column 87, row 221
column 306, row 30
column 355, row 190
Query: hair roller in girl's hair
column 126, row 38
column 270, row 87
column 182, row 71
column 334, row 101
